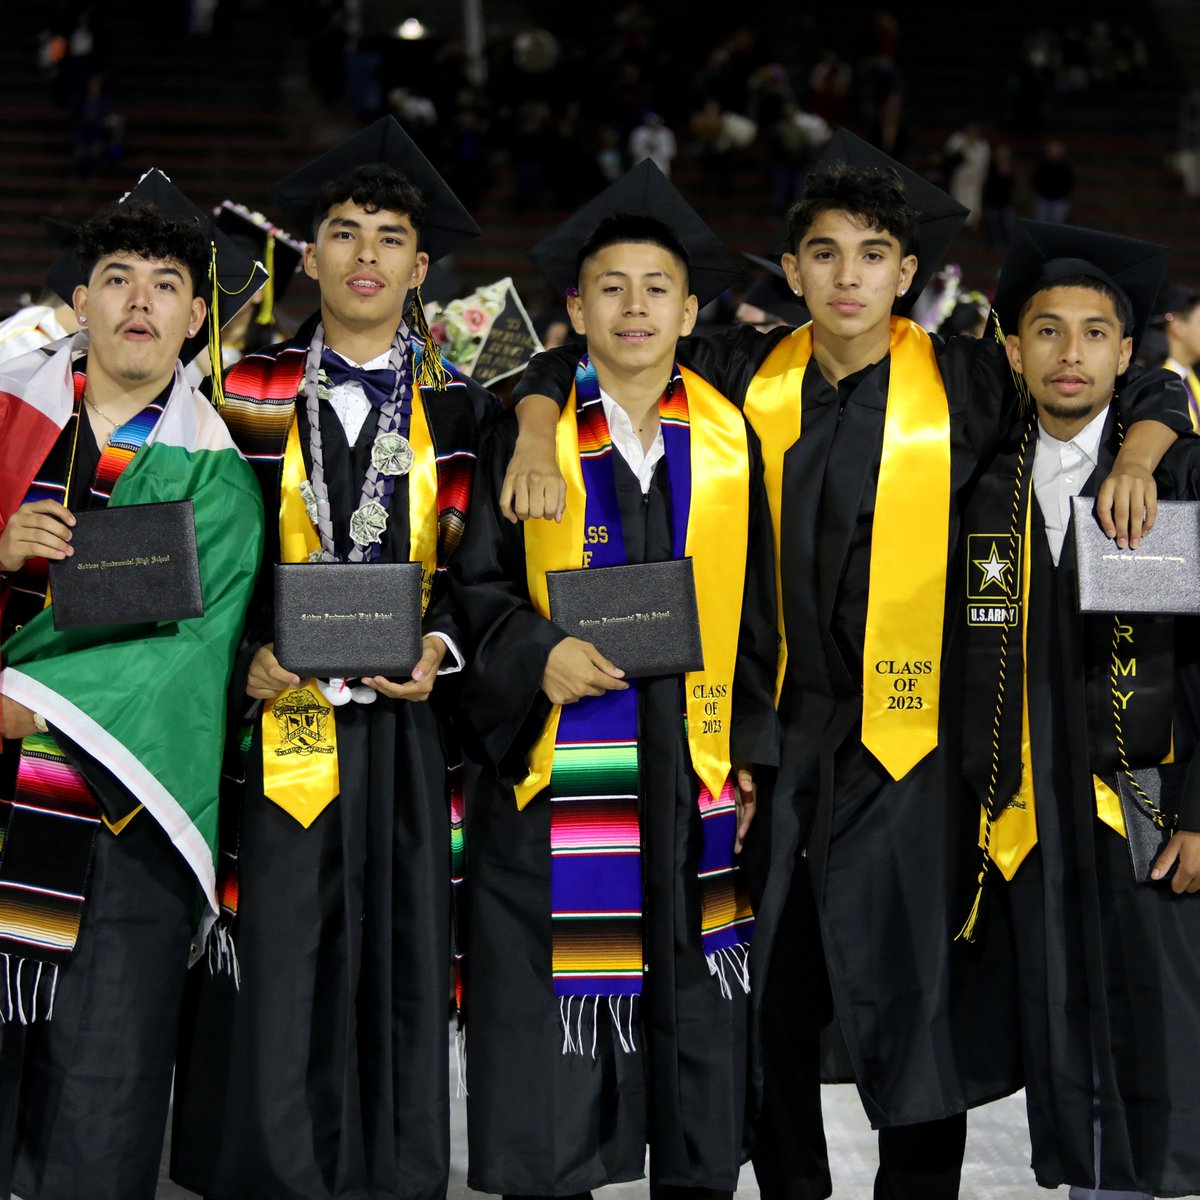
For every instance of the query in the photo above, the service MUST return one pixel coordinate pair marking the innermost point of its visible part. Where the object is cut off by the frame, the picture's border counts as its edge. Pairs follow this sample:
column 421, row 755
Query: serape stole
column 595, row 833
column 50, row 824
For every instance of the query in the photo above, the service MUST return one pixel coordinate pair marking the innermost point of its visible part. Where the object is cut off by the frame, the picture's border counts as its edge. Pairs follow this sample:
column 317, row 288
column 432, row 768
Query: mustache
column 141, row 321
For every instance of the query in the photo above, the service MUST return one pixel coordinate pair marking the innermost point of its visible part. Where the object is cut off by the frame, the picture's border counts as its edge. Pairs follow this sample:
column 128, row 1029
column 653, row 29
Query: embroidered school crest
column 993, row 579
column 303, row 724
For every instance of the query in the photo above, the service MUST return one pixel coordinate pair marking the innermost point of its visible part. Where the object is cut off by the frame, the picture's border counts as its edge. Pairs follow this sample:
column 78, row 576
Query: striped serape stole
column 726, row 918
column 49, row 830
column 50, row 825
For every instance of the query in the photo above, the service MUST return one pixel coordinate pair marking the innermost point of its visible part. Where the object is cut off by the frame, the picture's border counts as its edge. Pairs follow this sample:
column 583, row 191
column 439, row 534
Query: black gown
column 324, row 1077
column 1109, row 969
column 111, row 1043
column 541, row 1122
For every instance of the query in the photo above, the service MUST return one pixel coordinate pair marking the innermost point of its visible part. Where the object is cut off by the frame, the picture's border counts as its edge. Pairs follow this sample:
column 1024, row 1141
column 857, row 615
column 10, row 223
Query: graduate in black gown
column 1108, row 964
column 592, row 1035
column 323, row 1075
column 871, row 866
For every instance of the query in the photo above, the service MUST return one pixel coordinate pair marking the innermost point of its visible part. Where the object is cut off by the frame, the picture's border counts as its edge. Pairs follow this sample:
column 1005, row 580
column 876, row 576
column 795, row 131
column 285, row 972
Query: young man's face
column 633, row 306
column 1070, row 349
column 366, row 264
column 1183, row 335
column 139, row 311
column 848, row 274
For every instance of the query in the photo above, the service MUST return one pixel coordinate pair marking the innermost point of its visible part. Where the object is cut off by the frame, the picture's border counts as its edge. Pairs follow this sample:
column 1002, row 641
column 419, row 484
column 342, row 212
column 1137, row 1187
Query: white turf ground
column 996, row 1165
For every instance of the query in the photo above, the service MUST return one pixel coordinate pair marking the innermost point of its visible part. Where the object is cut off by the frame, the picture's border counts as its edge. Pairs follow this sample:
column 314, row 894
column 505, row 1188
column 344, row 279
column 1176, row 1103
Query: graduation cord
column 967, row 932
column 1165, row 823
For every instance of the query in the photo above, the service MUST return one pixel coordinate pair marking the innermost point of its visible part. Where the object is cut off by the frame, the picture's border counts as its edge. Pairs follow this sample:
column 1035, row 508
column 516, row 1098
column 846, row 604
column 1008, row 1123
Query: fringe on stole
column 222, row 954
column 573, row 1012
column 735, row 961
column 460, row 1059
column 26, row 982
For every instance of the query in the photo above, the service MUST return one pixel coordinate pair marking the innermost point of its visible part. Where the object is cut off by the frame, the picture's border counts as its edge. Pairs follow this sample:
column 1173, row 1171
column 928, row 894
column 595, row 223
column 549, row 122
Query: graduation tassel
column 214, row 335
column 431, row 372
column 1026, row 400
column 266, row 310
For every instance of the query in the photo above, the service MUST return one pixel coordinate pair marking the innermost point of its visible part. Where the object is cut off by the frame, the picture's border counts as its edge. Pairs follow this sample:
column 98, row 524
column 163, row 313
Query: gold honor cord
column 299, row 728
column 266, row 312
column 1008, row 839
column 773, row 407
column 721, row 476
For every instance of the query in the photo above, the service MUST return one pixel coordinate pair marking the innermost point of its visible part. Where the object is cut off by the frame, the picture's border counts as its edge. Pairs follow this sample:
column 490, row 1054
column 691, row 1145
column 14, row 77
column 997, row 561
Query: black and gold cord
column 967, row 932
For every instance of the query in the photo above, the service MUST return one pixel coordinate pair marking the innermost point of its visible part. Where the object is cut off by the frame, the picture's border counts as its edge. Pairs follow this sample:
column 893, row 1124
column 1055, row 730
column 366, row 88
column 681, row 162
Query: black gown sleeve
column 727, row 359
column 754, row 730
column 502, row 697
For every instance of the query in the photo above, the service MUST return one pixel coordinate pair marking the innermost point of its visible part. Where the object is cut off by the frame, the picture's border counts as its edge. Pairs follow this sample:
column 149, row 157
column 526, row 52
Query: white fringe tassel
column 222, row 955
column 460, row 1057
column 19, row 1001
column 735, row 961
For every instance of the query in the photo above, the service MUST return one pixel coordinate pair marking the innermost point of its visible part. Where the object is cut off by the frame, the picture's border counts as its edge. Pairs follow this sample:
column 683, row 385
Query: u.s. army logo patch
column 993, row 579
column 303, row 724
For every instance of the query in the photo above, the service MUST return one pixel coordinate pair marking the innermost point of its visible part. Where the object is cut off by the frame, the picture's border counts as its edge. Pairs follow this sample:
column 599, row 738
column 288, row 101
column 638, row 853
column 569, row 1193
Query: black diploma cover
column 641, row 617
column 346, row 620
column 133, row 564
column 1163, row 786
column 1161, row 576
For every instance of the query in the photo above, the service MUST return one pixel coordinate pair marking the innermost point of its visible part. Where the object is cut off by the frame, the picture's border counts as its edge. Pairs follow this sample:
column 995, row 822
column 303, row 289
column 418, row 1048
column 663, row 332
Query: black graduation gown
column 929, row 1023
column 323, row 1076
column 542, row 1122
column 111, row 1043
column 1109, row 973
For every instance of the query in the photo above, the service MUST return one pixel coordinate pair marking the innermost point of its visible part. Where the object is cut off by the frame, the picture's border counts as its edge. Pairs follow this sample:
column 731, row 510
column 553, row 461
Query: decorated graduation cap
column 1040, row 255
column 773, row 295
column 279, row 252
column 233, row 276
column 642, row 192
column 445, row 225
column 940, row 215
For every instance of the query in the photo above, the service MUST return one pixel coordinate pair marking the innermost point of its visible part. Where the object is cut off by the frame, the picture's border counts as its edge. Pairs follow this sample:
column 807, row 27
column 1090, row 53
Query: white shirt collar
column 627, row 443
column 1060, row 469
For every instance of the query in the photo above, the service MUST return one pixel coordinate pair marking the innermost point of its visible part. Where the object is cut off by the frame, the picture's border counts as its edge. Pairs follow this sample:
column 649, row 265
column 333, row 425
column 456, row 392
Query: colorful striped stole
column 49, row 826
column 595, row 833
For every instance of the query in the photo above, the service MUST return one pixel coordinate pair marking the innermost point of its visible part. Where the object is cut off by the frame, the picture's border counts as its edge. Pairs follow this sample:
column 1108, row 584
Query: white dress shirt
column 1060, row 469
column 627, row 443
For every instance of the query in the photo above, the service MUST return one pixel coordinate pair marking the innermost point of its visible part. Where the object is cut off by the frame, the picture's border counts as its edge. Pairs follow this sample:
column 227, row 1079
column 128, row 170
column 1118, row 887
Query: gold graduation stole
column 717, row 544
column 902, row 649
column 299, row 729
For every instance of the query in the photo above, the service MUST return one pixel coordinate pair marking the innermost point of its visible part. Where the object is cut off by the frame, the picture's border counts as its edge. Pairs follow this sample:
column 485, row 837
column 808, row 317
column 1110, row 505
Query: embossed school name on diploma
column 354, row 616
column 148, row 560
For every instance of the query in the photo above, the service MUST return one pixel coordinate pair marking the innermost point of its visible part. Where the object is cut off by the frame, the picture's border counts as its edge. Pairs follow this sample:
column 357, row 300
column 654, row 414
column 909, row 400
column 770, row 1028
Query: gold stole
column 299, row 730
column 717, row 545
column 902, row 649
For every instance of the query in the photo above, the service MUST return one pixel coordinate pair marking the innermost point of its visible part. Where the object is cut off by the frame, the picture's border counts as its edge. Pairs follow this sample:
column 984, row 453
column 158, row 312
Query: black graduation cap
column 239, row 276
column 279, row 252
column 1174, row 299
column 941, row 216
column 66, row 270
column 643, row 191
column 772, row 293
column 446, row 223
column 1039, row 254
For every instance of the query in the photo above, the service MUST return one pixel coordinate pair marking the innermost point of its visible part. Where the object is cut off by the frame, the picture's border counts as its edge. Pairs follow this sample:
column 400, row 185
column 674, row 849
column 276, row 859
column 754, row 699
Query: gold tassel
column 214, row 334
column 266, row 311
column 1026, row 400
column 432, row 372
column 967, row 932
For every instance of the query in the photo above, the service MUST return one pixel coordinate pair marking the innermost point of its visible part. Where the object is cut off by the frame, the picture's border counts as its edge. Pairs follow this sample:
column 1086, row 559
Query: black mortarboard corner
column 234, row 276
column 644, row 192
column 1175, row 299
column 773, row 295
column 941, row 216
column 1040, row 254
column 279, row 252
column 446, row 222
column 445, row 225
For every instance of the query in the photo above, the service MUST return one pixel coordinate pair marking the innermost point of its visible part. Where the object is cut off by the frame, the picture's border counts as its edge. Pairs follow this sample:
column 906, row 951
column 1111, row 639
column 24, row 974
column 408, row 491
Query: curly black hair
column 140, row 229
column 873, row 196
column 632, row 227
column 375, row 187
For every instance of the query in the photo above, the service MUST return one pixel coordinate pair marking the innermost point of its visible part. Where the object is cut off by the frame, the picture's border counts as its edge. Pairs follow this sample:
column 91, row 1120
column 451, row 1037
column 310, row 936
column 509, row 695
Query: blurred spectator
column 830, row 83
column 608, row 154
column 653, row 140
column 999, row 198
column 967, row 155
column 968, row 316
column 1053, row 182
column 889, row 130
column 793, row 144
column 97, row 133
